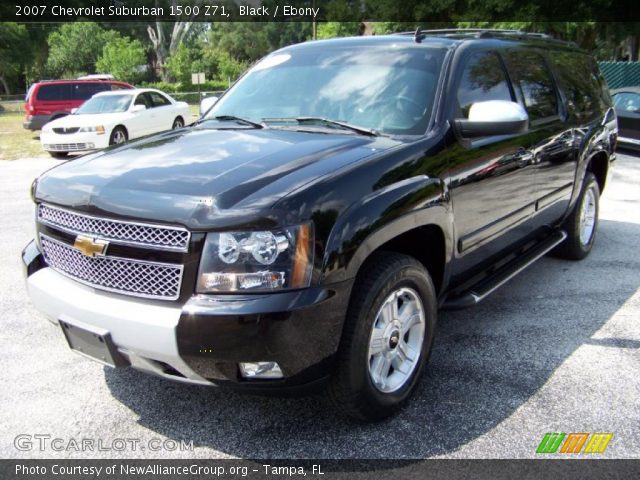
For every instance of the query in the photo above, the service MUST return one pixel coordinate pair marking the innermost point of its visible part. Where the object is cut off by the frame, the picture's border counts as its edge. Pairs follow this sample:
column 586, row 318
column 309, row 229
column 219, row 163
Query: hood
column 85, row 120
column 197, row 176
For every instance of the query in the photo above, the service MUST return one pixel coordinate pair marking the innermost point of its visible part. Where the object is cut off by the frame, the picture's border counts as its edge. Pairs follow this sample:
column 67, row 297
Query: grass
column 15, row 141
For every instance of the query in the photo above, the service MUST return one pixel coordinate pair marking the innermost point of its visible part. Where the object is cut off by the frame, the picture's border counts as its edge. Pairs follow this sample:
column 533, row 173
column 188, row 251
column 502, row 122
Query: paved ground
column 556, row 349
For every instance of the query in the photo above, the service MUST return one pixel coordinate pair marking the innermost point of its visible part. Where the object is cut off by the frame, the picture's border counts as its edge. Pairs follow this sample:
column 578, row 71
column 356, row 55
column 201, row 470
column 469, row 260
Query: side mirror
column 493, row 117
column 73, row 110
column 138, row 108
column 207, row 103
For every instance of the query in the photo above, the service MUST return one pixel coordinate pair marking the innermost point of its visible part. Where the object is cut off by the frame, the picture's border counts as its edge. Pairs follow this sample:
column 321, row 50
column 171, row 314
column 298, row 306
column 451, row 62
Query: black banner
column 318, row 469
column 428, row 12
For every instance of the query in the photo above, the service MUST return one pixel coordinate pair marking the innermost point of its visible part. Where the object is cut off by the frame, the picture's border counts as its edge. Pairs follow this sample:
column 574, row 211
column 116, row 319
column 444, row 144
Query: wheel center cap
column 394, row 339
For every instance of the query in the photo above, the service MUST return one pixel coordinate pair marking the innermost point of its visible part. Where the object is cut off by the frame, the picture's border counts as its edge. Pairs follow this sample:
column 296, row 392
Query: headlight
column 32, row 190
column 99, row 129
column 257, row 261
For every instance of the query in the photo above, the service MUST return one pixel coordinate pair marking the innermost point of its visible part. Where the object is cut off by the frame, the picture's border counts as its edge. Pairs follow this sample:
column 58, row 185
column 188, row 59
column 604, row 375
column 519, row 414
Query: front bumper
column 203, row 340
column 73, row 142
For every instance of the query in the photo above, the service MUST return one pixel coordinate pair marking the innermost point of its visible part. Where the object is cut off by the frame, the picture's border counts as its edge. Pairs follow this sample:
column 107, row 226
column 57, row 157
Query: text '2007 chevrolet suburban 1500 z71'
column 306, row 230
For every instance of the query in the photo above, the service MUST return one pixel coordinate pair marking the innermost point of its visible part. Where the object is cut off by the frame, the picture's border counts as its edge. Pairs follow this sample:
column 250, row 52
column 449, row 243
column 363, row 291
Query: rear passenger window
column 84, row 91
column 55, row 92
column 579, row 82
column 483, row 79
column 535, row 82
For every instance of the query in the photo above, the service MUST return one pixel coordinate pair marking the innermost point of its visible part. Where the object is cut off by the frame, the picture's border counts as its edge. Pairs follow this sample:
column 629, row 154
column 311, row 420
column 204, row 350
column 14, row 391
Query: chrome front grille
column 158, row 237
column 121, row 275
column 68, row 147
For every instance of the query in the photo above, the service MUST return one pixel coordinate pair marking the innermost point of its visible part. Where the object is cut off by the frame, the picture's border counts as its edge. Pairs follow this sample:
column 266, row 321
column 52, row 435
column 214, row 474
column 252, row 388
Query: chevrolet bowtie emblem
column 90, row 247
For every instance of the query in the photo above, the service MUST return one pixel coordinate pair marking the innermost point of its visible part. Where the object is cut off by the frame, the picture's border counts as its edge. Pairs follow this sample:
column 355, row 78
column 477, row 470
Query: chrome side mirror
column 493, row 117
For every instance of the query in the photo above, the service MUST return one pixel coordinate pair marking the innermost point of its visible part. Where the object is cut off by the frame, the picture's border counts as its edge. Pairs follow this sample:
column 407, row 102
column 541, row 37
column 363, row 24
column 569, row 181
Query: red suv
column 49, row 99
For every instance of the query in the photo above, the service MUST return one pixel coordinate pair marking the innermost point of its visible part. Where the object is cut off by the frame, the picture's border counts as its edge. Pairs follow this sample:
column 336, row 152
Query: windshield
column 105, row 104
column 387, row 88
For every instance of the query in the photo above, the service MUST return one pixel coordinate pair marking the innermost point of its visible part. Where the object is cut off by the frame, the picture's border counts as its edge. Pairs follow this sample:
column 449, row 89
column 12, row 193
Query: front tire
column 387, row 338
column 118, row 136
column 177, row 123
column 582, row 224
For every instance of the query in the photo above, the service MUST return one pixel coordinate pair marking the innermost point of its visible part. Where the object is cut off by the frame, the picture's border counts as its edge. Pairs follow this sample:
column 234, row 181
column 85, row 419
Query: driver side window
column 143, row 99
column 483, row 78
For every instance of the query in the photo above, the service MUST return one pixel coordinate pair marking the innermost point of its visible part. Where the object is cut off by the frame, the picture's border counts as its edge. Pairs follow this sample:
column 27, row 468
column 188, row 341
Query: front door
column 490, row 179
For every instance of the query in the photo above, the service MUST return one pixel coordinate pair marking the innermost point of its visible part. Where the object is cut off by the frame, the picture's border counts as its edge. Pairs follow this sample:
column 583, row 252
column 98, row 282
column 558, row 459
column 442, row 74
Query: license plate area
column 93, row 343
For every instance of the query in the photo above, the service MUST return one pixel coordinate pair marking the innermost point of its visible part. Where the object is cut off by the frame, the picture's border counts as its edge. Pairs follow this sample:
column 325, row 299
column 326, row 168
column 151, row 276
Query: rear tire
column 582, row 223
column 381, row 361
column 59, row 154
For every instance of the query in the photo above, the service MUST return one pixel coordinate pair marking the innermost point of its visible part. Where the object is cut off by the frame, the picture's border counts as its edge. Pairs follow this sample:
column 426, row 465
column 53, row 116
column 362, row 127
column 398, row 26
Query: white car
column 110, row 118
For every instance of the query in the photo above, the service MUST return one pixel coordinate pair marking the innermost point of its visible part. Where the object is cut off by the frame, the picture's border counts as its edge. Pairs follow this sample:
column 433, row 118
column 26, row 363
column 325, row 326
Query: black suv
column 305, row 231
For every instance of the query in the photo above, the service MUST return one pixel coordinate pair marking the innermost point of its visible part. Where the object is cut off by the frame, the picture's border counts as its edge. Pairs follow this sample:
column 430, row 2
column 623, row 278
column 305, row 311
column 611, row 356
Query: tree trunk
column 163, row 48
column 633, row 46
column 5, row 85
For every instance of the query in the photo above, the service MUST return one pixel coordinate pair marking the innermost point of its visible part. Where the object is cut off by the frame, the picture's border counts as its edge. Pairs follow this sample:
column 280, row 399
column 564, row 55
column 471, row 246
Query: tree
column 124, row 58
column 75, row 47
column 185, row 61
column 12, row 58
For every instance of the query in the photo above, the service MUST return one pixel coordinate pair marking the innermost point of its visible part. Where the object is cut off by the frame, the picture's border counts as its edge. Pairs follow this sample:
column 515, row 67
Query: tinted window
column 535, row 82
column 143, row 99
column 158, row 100
column 578, row 81
column 629, row 102
column 84, row 91
column 55, row 91
column 483, row 79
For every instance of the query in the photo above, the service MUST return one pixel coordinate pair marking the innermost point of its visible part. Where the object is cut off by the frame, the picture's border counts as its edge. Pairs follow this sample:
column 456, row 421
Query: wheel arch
column 424, row 232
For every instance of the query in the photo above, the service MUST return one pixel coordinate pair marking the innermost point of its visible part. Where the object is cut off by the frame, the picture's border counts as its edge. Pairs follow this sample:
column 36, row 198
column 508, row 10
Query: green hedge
column 179, row 87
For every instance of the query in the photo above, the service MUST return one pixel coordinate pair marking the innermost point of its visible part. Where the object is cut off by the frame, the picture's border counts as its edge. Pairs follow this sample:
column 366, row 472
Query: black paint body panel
column 484, row 196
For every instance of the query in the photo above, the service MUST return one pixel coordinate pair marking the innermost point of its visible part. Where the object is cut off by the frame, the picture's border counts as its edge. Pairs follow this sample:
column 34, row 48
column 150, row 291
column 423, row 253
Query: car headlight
column 98, row 129
column 257, row 261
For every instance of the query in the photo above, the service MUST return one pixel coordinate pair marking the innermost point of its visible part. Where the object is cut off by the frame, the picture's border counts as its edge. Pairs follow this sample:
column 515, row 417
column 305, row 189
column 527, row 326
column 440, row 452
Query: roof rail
column 477, row 32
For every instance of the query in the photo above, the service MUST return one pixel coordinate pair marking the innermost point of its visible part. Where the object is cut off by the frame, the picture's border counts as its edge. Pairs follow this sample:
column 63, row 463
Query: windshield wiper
column 233, row 118
column 325, row 121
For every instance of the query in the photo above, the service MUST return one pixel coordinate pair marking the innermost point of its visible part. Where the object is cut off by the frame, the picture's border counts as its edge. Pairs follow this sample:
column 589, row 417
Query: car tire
column 177, row 123
column 582, row 223
column 118, row 136
column 59, row 154
column 357, row 389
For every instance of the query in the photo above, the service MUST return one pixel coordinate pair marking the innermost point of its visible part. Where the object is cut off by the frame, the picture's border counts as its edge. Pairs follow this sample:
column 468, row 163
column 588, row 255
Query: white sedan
column 110, row 118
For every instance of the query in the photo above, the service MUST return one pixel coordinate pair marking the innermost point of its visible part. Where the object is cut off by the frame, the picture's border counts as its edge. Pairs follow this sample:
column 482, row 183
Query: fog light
column 260, row 370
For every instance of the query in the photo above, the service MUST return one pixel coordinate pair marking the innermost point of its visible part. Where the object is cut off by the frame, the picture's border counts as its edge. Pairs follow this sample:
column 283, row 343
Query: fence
column 620, row 74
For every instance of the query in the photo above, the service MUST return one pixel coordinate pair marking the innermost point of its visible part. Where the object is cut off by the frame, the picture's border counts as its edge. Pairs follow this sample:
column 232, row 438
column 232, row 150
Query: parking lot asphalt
column 557, row 349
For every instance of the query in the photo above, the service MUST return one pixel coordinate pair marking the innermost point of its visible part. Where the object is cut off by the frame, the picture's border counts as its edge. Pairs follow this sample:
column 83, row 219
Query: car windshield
column 105, row 104
column 386, row 88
